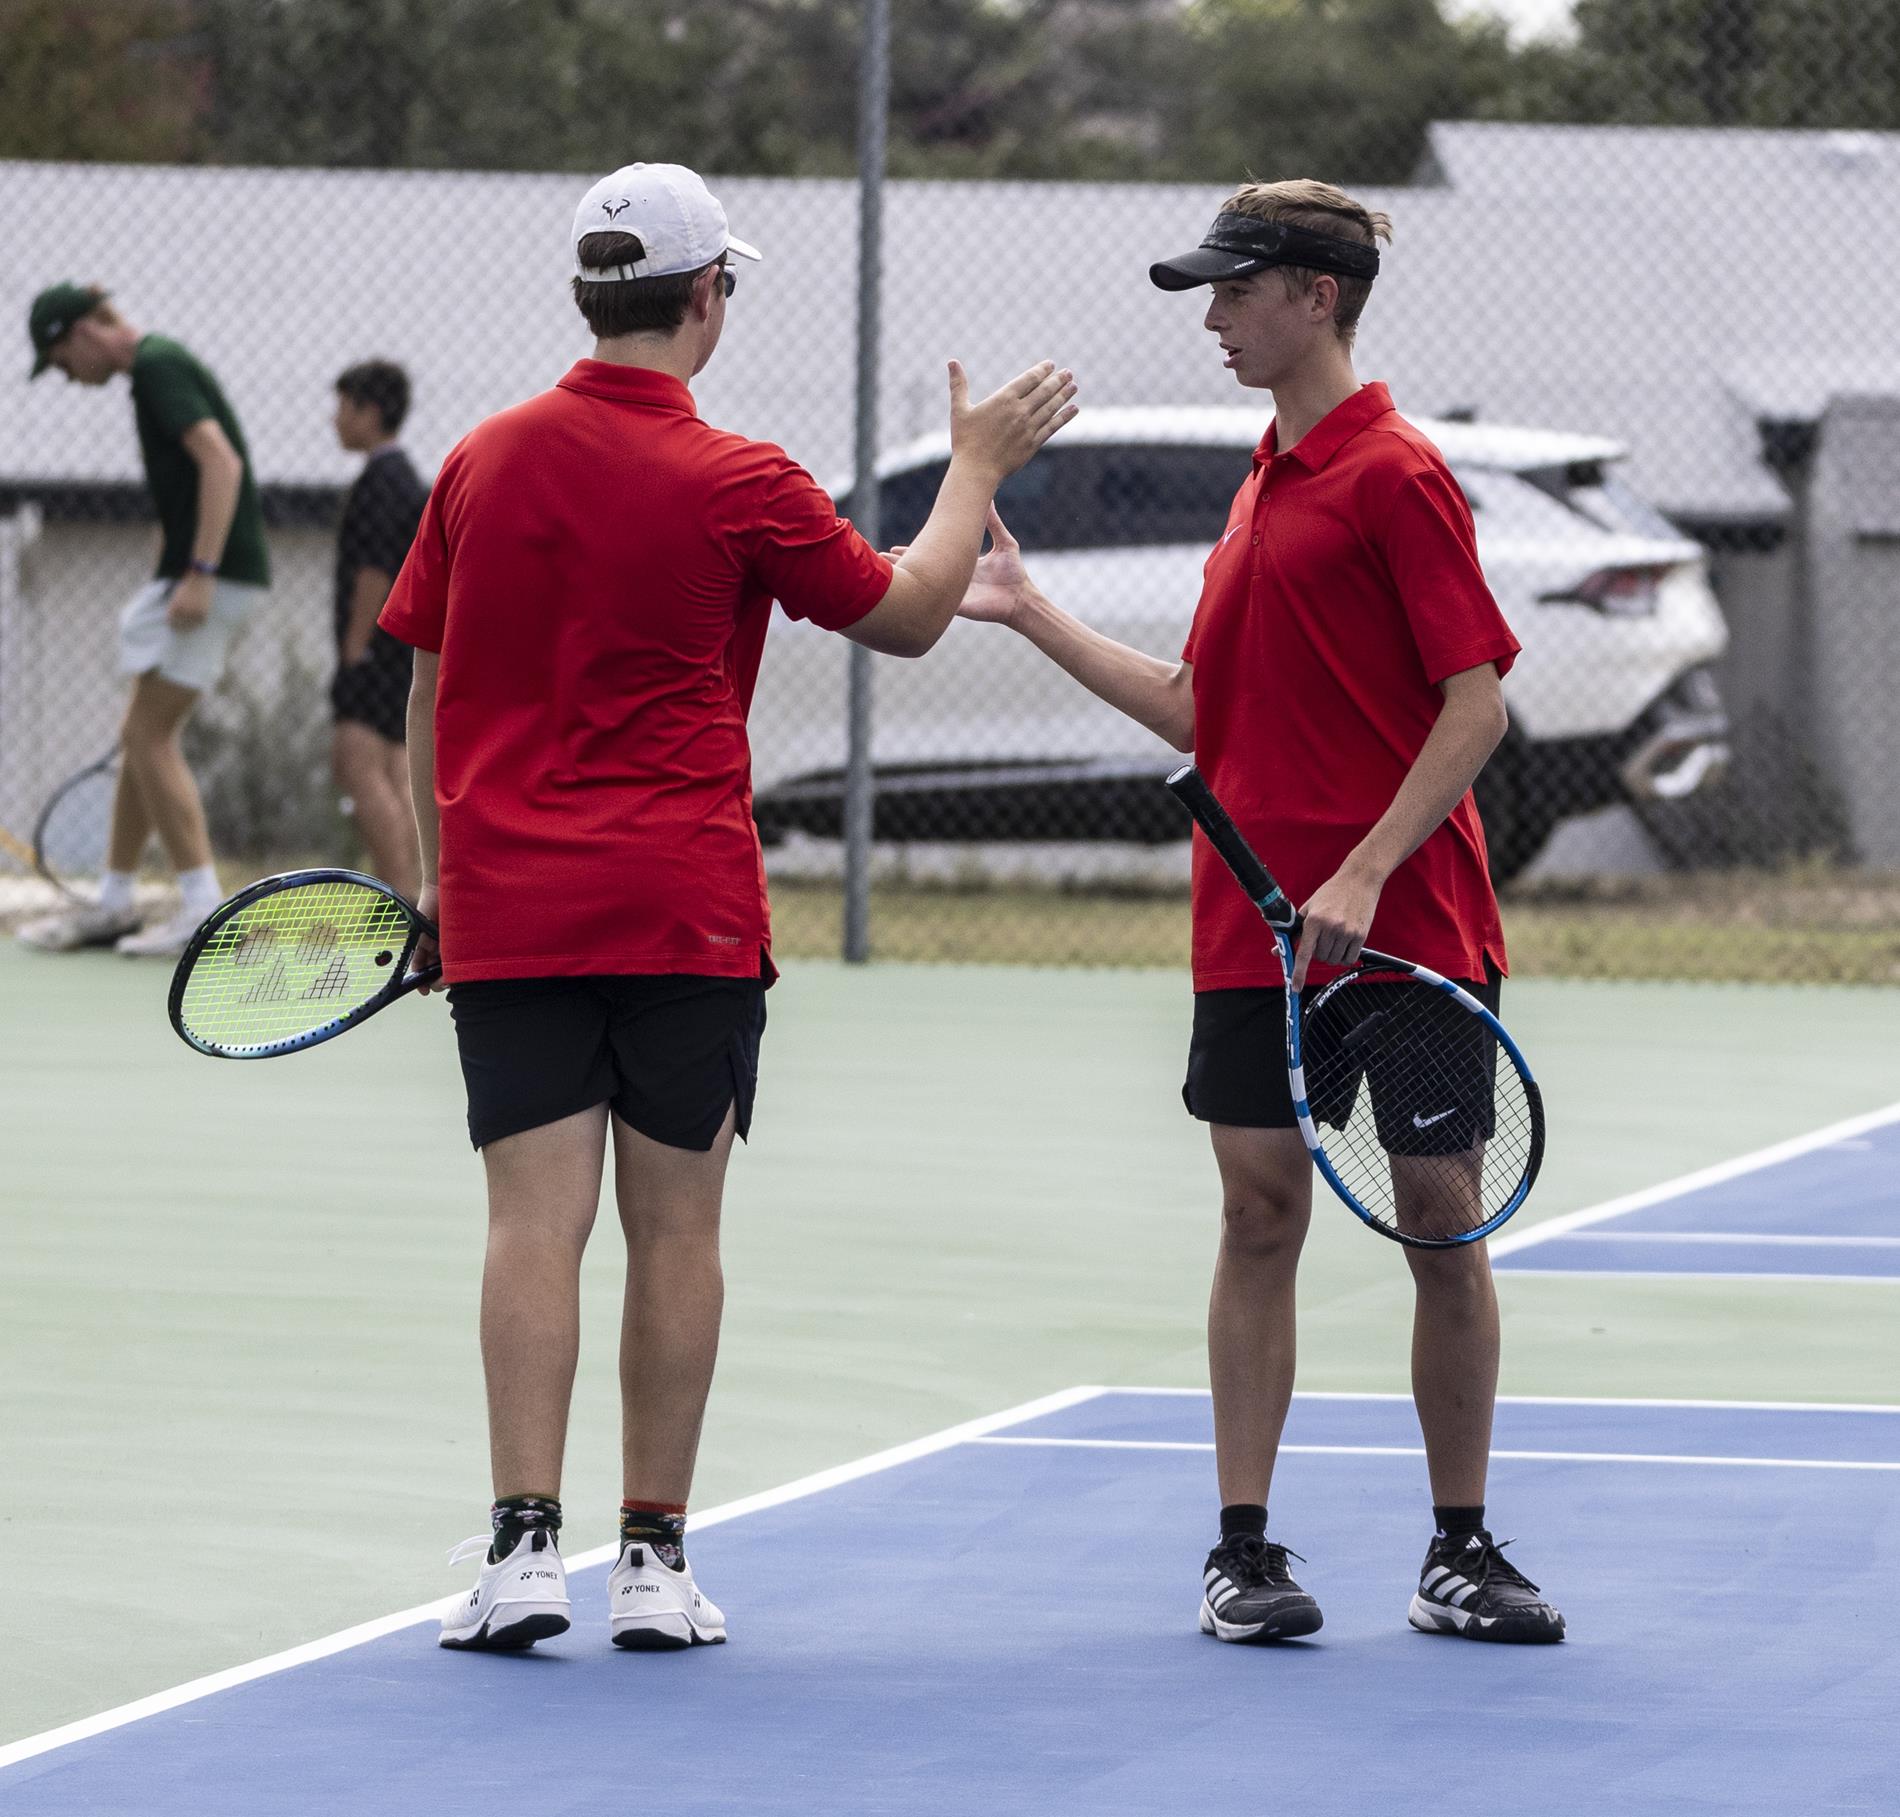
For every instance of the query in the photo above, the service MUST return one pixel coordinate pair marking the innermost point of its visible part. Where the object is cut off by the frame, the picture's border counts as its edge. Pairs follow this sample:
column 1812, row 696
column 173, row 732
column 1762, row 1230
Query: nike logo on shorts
column 1419, row 1122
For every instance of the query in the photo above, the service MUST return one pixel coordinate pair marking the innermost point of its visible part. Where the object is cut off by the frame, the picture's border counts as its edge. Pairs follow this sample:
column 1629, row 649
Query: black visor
column 1238, row 245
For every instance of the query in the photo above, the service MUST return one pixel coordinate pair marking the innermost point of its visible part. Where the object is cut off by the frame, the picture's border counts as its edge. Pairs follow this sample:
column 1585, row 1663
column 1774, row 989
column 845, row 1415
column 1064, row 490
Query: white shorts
column 194, row 658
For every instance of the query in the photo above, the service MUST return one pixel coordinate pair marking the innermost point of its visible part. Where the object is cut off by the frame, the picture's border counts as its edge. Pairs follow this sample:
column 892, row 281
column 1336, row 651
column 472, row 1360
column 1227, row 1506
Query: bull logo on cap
column 612, row 210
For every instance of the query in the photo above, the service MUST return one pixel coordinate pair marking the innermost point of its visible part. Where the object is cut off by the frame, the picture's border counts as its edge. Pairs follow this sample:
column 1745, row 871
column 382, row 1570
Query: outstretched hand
column 1001, row 583
column 1009, row 425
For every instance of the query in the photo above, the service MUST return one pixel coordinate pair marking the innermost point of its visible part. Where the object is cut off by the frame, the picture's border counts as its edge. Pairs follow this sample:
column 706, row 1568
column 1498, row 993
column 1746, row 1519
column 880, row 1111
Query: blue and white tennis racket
column 1416, row 1106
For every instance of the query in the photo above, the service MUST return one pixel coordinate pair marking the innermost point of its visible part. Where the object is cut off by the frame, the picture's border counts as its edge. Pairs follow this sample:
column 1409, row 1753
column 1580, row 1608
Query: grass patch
column 1800, row 926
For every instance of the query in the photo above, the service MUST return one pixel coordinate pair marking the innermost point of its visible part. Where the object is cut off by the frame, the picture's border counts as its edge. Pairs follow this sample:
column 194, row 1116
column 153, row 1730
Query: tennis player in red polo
column 1339, row 690
column 588, row 596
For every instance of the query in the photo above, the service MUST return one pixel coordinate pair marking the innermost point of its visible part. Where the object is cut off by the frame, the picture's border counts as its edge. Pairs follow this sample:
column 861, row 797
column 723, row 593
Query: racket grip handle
column 1189, row 787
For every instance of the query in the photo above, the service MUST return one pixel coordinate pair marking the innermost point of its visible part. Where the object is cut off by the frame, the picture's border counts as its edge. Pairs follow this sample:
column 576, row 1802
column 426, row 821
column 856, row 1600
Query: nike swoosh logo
column 1419, row 1122
column 1233, row 531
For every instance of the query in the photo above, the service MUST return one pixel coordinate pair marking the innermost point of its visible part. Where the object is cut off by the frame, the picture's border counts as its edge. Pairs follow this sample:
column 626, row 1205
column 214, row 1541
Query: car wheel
column 1517, row 826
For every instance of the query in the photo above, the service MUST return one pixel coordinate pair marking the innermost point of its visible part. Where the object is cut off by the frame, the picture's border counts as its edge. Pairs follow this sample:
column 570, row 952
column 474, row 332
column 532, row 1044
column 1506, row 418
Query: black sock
column 515, row 1515
column 1458, row 1523
column 1239, row 1519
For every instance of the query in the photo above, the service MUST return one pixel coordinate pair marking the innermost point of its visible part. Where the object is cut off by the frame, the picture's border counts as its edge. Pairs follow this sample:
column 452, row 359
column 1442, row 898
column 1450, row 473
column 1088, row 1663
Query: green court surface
column 238, row 1365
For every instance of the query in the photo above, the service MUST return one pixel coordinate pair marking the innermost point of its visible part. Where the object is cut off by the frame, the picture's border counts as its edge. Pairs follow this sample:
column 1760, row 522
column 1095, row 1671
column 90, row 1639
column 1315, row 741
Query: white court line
column 1697, row 1274
column 1730, row 1236
column 363, row 1632
column 1558, row 1400
column 1539, row 1457
column 1568, row 1221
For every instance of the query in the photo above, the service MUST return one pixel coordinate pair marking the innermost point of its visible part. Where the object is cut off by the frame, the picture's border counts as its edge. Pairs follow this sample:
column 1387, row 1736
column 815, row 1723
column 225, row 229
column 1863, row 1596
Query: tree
column 89, row 79
column 1783, row 63
column 761, row 86
column 1339, row 89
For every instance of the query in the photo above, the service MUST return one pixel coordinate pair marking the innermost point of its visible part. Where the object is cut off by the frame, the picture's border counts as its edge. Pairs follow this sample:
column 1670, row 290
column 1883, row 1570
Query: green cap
column 54, row 311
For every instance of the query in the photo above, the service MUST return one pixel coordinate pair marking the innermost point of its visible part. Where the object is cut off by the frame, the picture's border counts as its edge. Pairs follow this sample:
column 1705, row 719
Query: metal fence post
column 874, row 82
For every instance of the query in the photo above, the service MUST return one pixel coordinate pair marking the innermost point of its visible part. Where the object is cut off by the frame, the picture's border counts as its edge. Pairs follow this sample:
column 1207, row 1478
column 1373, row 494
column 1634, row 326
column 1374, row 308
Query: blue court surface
column 1825, row 1209
column 1000, row 1619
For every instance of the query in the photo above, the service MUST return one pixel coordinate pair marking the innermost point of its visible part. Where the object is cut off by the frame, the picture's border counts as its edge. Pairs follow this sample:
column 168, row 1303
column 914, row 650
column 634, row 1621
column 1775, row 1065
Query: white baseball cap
column 669, row 209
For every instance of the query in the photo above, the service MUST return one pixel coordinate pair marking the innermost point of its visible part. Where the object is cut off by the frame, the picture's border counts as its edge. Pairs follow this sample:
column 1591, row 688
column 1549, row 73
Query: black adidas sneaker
column 1249, row 1595
column 1469, row 1587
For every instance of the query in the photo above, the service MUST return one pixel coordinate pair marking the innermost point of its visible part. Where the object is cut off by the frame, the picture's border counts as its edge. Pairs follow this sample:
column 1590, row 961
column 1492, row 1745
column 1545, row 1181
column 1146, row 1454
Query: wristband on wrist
column 200, row 566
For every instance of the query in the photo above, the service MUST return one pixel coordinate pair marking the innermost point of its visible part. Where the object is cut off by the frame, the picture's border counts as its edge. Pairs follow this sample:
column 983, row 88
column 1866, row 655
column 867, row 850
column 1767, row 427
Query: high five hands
column 1007, row 427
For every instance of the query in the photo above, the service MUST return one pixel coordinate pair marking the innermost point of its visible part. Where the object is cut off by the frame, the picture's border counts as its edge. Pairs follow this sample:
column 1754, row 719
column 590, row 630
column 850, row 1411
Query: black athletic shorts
column 375, row 692
column 1236, row 1072
column 671, row 1054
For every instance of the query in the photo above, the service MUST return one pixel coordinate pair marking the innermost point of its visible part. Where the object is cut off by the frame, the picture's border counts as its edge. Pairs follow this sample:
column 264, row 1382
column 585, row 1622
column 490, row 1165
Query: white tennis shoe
column 515, row 1602
column 163, row 939
column 71, row 930
column 654, row 1606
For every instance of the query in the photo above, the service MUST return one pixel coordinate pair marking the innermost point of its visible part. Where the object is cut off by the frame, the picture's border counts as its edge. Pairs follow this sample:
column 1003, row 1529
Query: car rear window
column 1593, row 491
column 1093, row 496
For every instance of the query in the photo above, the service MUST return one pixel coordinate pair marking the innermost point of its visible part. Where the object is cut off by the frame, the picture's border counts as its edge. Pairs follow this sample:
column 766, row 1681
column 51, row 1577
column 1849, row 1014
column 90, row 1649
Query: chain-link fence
column 1660, row 360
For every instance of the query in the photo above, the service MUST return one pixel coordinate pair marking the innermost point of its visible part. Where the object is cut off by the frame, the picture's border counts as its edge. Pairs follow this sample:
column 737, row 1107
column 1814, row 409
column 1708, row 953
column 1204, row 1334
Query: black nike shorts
column 1236, row 1072
column 671, row 1054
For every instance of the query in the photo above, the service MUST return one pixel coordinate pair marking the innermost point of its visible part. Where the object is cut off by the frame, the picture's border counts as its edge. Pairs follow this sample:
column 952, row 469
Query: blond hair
column 1319, row 207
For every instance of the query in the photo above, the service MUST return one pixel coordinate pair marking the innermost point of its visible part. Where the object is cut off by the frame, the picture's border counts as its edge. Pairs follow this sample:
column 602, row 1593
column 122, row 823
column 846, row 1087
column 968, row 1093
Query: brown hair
column 629, row 305
column 1304, row 202
column 101, row 310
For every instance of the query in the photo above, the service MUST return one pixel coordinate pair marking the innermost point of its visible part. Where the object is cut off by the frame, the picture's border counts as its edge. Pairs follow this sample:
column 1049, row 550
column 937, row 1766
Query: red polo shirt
column 1345, row 589
column 597, row 568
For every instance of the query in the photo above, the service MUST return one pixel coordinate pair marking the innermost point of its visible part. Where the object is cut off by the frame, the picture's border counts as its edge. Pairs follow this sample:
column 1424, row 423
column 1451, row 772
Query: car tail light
column 1618, row 592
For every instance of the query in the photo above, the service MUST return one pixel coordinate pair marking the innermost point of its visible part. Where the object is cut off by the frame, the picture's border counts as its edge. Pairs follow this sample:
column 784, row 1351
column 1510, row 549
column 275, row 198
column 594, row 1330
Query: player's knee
column 1459, row 1274
column 1262, row 1222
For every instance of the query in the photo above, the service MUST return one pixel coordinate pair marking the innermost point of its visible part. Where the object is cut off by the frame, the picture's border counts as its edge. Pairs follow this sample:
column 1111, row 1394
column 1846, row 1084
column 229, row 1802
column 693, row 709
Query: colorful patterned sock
column 661, row 1525
column 515, row 1515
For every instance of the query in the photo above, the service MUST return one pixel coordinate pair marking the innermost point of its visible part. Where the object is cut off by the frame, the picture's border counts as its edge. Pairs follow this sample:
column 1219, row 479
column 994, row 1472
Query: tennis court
column 1814, row 1210
column 1001, row 1639
column 239, row 1346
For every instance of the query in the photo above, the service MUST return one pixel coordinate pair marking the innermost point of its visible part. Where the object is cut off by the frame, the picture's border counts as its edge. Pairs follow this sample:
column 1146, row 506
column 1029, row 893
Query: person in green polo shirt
column 212, row 570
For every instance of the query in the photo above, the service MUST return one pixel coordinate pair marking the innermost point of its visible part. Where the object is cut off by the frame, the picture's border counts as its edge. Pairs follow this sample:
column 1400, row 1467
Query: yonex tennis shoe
column 73, row 929
column 1249, row 1595
column 516, row 1601
column 653, row 1603
column 1469, row 1587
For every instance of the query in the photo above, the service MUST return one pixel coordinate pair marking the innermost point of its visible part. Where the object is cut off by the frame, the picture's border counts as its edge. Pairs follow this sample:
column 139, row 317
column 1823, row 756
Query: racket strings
column 1421, row 1112
column 294, row 961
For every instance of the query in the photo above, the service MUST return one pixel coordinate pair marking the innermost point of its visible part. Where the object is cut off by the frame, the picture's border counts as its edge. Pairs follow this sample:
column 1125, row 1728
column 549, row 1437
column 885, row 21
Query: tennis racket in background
column 15, row 853
column 293, row 960
column 74, row 828
column 1417, row 1108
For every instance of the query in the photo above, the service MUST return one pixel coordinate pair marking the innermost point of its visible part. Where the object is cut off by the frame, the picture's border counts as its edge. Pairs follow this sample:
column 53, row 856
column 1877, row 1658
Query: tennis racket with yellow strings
column 295, row 960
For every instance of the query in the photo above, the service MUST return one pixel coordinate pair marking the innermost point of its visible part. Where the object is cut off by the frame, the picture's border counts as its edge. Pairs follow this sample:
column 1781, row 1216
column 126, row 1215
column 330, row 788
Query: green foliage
column 260, row 748
column 980, row 88
column 87, row 79
column 1340, row 89
column 1772, row 63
